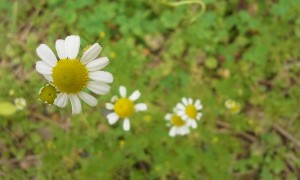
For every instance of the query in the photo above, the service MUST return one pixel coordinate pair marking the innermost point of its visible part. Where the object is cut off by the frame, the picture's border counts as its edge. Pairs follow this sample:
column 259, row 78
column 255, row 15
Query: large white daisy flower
column 178, row 126
column 71, row 75
column 124, row 107
column 189, row 111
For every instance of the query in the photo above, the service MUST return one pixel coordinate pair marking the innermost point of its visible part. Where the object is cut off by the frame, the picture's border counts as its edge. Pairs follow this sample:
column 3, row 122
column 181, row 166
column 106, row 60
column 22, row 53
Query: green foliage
column 7, row 109
column 244, row 50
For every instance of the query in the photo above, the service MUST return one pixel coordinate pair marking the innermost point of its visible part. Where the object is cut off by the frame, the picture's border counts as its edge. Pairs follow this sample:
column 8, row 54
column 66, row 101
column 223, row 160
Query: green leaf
column 7, row 109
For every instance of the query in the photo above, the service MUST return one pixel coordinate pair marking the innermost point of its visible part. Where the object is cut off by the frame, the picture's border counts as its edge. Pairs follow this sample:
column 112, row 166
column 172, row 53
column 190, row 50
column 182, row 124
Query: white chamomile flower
column 71, row 75
column 178, row 126
column 189, row 111
column 20, row 103
column 233, row 106
column 124, row 107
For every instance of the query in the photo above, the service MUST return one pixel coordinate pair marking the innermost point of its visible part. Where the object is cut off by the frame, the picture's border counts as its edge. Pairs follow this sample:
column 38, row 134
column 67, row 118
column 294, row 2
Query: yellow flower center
column 48, row 94
column 124, row 107
column 191, row 111
column 70, row 76
column 235, row 109
column 177, row 121
column 20, row 103
column 230, row 103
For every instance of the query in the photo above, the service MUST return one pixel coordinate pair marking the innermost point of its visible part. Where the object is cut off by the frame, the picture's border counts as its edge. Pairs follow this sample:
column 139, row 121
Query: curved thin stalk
column 187, row 2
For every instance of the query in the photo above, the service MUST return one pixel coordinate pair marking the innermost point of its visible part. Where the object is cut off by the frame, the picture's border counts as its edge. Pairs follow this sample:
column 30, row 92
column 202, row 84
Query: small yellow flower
column 102, row 34
column 177, row 124
column 234, row 107
column 124, row 107
column 20, row 103
column 189, row 110
column 122, row 143
column 112, row 55
column 148, row 118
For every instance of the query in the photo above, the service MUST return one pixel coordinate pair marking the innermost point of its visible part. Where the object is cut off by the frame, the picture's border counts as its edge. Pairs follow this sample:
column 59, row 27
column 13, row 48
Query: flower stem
column 187, row 2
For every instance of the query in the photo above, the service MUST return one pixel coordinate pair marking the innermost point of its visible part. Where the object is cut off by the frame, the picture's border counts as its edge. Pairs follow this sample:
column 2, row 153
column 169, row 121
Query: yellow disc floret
column 124, row 107
column 236, row 108
column 48, row 94
column 191, row 111
column 177, row 121
column 70, row 76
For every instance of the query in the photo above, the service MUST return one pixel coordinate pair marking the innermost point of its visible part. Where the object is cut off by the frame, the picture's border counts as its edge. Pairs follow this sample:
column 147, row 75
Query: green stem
column 15, row 16
column 85, row 38
column 187, row 2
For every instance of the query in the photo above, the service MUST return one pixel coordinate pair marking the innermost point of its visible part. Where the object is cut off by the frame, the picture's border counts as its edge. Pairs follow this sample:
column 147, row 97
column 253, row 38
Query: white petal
column 181, row 131
column 190, row 101
column 114, row 99
column 60, row 48
column 184, row 117
column 122, row 91
column 87, row 98
column 180, row 106
column 178, row 131
column 91, row 53
column 185, row 101
column 98, row 88
column 48, row 77
column 101, row 76
column 135, row 95
column 76, row 105
column 197, row 102
column 168, row 116
column 185, row 130
column 199, row 107
column 199, row 115
column 172, row 131
column 109, row 106
column 112, row 118
column 180, row 112
column 97, row 64
column 193, row 124
column 46, row 54
column 61, row 100
column 72, row 44
column 140, row 107
column 126, row 124
column 43, row 68
column 175, row 109
column 65, row 101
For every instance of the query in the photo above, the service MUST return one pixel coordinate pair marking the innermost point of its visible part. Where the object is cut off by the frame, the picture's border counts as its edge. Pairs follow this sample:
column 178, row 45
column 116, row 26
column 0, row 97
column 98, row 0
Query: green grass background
column 245, row 50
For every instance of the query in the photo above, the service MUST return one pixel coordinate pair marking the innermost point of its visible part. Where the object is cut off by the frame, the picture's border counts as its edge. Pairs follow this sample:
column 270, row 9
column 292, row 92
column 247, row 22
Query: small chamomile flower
column 124, row 107
column 189, row 111
column 70, row 75
column 233, row 106
column 178, row 125
column 20, row 103
column 48, row 94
